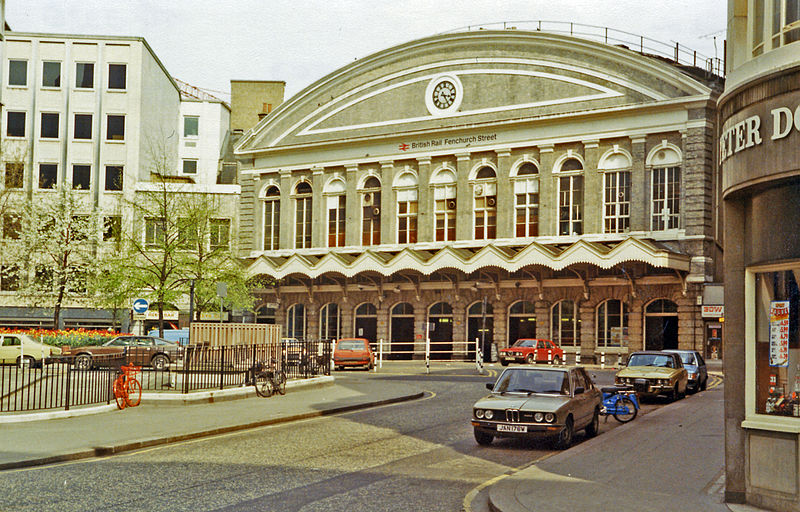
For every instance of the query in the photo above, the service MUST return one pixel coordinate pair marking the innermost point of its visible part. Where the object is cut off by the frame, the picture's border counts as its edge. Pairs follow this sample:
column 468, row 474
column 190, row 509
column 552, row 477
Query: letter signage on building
column 779, row 333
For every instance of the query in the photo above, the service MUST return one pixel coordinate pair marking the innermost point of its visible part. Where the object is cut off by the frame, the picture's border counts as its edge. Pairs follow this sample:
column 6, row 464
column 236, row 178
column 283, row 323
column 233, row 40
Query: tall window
column 12, row 226
column 191, row 126
column 406, row 186
column 616, row 201
column 526, row 200
column 114, row 177
column 565, row 326
column 15, row 174
column 371, row 212
column 444, row 205
column 296, row 321
column 612, row 323
column 329, row 322
column 272, row 218
column 220, row 234
column 666, row 193
column 484, row 189
column 302, row 216
column 337, row 210
column 154, row 232
column 570, row 197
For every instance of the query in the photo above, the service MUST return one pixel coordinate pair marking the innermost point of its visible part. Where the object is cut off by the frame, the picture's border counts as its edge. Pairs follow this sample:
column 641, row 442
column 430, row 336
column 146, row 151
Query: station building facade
column 491, row 186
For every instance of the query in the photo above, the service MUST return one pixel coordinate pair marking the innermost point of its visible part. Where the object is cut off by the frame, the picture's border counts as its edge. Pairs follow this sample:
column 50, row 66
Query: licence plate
column 512, row 428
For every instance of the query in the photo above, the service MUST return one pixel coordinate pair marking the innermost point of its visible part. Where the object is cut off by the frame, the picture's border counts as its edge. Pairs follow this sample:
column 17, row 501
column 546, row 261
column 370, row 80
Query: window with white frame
column 612, row 323
column 154, row 232
column 296, row 321
column 191, row 126
column 775, row 23
column 220, row 234
column 526, row 200
column 565, row 325
column 665, row 187
column 272, row 218
column 337, row 212
column 570, row 197
column 406, row 186
column 329, row 321
column 17, row 73
column 484, row 189
column 371, row 212
column 444, row 205
column 615, row 168
column 303, row 215
column 51, row 74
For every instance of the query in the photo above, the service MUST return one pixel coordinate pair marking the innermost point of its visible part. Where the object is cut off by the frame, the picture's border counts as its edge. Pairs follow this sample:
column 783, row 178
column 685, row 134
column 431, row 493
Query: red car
column 353, row 352
column 530, row 350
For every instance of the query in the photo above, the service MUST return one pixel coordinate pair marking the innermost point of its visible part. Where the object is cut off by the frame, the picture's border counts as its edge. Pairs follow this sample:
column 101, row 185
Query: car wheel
column 26, row 362
column 564, row 440
column 530, row 359
column 504, row 362
column 593, row 428
column 483, row 438
column 675, row 394
column 83, row 362
column 159, row 362
column 556, row 360
column 704, row 385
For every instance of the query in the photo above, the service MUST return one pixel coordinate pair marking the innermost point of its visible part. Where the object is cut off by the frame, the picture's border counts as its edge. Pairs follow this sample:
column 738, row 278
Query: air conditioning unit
column 478, row 190
column 367, row 199
column 491, row 201
column 451, row 204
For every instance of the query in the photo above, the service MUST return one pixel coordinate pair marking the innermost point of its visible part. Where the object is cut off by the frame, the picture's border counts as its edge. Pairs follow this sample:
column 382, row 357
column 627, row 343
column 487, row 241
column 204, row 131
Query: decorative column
column 319, row 210
column 548, row 202
column 592, row 189
column 500, row 326
column 463, row 199
column 346, row 326
column 287, row 211
column 640, row 196
column 542, row 309
column 255, row 242
column 388, row 214
column 505, row 195
column 352, row 234
column 460, row 343
column 635, row 325
column 312, row 320
column 382, row 331
column 588, row 340
column 424, row 201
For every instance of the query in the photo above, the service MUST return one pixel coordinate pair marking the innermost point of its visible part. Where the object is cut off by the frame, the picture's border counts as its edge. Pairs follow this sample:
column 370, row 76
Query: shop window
column 18, row 73
column 48, row 175
column 84, row 75
column 777, row 342
column 117, row 76
column 15, row 174
column 51, row 74
column 83, row 127
column 272, row 218
column 49, row 127
column 15, row 124
column 303, row 215
column 81, row 176
column 114, row 177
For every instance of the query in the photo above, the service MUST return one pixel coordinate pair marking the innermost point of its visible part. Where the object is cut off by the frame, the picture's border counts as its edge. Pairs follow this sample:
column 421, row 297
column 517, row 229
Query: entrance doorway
column 480, row 327
column 366, row 323
column 661, row 325
column 521, row 321
column 440, row 316
column 402, row 331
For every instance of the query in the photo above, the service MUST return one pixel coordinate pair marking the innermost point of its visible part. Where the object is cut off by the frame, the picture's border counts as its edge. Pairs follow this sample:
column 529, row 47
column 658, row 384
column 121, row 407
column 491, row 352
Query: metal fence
column 58, row 384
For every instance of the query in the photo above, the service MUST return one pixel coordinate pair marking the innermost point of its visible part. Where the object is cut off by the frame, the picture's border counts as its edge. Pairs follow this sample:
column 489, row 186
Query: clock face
column 444, row 94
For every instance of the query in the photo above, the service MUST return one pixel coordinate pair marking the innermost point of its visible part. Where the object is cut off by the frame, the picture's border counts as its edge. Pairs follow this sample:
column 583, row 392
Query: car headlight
column 538, row 417
column 692, row 375
column 488, row 415
column 479, row 413
column 549, row 417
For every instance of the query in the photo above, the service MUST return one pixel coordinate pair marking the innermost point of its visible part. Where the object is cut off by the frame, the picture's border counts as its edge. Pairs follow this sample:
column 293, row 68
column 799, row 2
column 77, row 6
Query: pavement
column 670, row 459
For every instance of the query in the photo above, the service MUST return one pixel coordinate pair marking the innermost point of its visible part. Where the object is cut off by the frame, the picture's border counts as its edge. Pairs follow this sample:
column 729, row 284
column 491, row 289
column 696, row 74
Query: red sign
column 713, row 311
column 403, row 147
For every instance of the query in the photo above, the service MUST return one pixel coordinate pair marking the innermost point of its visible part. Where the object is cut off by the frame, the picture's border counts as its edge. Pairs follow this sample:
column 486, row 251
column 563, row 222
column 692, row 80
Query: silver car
column 696, row 366
column 538, row 401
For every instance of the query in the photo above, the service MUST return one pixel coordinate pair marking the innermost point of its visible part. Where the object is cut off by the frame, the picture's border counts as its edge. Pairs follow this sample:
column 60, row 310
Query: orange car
column 353, row 352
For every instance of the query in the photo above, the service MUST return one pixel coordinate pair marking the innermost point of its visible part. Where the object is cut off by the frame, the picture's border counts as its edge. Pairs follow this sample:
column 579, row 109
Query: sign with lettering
column 779, row 333
column 447, row 142
column 713, row 311
column 747, row 133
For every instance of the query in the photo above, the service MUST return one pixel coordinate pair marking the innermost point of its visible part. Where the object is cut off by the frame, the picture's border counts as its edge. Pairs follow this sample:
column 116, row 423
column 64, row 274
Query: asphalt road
column 411, row 456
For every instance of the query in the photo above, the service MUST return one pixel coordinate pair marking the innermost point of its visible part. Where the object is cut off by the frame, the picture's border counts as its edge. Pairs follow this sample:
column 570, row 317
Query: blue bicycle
column 620, row 402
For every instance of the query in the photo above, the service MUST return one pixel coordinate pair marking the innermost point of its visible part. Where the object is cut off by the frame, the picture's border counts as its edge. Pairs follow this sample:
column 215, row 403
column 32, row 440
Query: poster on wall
column 779, row 333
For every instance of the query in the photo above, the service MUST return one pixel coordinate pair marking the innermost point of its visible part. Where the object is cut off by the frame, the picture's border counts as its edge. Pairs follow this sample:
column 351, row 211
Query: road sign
column 140, row 306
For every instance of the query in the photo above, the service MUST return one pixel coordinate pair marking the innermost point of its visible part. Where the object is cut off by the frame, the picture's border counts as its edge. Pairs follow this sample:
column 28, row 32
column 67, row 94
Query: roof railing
column 674, row 52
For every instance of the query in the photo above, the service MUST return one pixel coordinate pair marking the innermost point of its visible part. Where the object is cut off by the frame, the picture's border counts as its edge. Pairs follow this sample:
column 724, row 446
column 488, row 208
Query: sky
column 207, row 43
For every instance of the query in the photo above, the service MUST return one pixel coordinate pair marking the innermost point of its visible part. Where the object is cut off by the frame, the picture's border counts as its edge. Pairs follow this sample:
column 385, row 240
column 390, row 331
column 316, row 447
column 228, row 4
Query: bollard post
column 578, row 357
column 427, row 354
column 602, row 360
column 380, row 353
column 478, row 356
column 549, row 356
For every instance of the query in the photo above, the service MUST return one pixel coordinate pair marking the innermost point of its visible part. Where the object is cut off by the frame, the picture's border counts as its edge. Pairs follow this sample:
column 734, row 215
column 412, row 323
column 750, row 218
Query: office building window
column 220, row 230
column 191, row 126
column 112, row 228
column 15, row 173
column 189, row 166
column 83, row 126
column 81, row 176
column 303, row 216
column 15, row 124
column 114, row 177
column 49, row 128
column 526, row 200
column 272, row 218
column 84, row 75
column 115, row 129
column 51, row 74
column 371, row 212
column 48, row 176
column 117, row 76
column 18, row 73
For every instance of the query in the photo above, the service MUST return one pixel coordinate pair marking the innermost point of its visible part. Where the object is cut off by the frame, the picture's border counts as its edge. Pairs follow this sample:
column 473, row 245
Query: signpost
column 140, row 307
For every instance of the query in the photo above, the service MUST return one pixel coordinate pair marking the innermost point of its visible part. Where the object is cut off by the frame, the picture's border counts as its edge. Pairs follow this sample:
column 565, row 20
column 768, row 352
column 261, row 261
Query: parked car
column 696, row 366
column 353, row 352
column 530, row 350
column 21, row 349
column 179, row 336
column 655, row 373
column 293, row 352
column 140, row 350
column 538, row 401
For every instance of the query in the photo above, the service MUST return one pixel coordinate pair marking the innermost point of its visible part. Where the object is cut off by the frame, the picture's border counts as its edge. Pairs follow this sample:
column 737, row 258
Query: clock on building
column 444, row 94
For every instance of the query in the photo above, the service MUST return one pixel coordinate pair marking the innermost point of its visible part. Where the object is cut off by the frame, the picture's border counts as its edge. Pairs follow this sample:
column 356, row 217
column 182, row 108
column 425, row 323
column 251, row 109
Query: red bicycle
column 127, row 388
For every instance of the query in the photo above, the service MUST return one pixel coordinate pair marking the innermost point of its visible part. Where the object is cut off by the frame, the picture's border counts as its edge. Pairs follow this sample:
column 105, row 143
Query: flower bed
column 69, row 337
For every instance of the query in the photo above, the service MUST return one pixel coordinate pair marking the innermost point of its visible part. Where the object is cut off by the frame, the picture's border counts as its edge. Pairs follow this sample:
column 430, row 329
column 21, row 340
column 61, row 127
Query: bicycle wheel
column 120, row 392
column 263, row 385
column 625, row 409
column 280, row 382
column 134, row 395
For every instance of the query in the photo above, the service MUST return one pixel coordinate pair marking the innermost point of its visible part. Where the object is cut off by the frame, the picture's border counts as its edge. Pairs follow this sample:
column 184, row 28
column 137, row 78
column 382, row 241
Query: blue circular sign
column 140, row 306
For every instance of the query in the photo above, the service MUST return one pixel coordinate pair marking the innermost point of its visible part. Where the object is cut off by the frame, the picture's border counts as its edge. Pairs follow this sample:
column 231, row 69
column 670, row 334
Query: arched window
column 441, row 309
column 296, row 321
column 526, row 200
column 444, row 205
column 665, row 189
column 336, row 203
column 615, row 167
column 570, row 197
column 406, row 186
column 303, row 216
column 272, row 218
column 565, row 326
column 484, row 189
column 612, row 323
column 371, row 212
column 329, row 321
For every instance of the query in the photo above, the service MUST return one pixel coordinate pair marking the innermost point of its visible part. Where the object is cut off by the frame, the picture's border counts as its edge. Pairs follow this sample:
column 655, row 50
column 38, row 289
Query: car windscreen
column 660, row 360
column 687, row 357
column 350, row 345
column 533, row 381
column 524, row 343
column 118, row 342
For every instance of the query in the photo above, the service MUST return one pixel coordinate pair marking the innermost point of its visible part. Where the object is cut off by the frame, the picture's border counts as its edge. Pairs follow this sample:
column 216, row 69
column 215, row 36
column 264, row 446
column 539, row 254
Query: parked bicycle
column 127, row 388
column 267, row 379
column 620, row 402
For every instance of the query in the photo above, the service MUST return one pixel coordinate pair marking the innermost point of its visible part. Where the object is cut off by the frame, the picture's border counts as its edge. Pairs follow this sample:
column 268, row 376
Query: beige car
column 21, row 349
column 655, row 373
column 538, row 401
